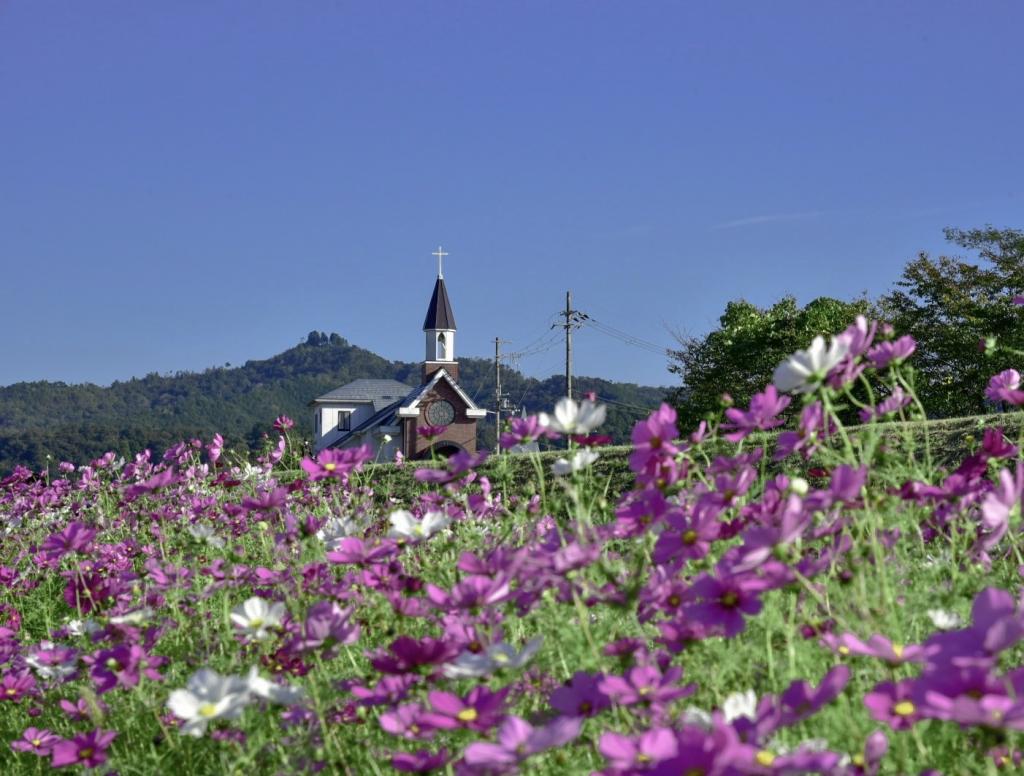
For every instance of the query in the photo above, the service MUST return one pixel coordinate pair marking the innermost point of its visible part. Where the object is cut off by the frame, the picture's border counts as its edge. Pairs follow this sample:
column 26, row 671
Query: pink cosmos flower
column 523, row 431
column 38, row 742
column 761, row 415
column 628, row 754
column 519, row 740
column 283, row 423
column 421, row 761
column 877, row 646
column 16, row 685
column 431, row 432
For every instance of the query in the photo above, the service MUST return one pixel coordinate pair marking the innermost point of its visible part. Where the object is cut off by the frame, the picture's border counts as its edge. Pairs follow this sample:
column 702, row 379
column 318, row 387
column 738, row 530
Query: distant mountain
column 80, row 422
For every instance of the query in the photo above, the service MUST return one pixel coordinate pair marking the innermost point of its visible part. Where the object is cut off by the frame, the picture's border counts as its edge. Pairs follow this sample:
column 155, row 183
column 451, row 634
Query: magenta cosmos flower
column 85, row 749
column 1005, row 387
column 480, row 710
column 625, row 753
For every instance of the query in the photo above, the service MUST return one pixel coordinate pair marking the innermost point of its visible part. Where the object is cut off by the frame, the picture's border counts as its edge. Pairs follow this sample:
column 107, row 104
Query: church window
column 442, row 347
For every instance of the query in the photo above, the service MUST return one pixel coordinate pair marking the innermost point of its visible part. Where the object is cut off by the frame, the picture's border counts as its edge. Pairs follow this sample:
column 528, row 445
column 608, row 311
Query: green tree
column 951, row 306
column 738, row 357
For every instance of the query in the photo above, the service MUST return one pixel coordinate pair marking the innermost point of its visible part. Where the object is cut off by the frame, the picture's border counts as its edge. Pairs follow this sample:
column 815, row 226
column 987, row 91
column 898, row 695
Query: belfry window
column 442, row 347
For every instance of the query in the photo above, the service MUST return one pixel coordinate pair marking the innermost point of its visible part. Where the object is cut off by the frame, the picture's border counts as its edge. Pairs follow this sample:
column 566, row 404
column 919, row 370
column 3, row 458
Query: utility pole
column 573, row 320
column 498, row 398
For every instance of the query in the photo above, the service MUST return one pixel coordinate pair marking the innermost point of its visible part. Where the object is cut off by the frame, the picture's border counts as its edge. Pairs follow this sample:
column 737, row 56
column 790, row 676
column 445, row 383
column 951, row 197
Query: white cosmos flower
column 692, row 715
column 208, row 696
column 581, row 460
column 405, row 526
column 805, row 369
column 944, row 620
column 334, row 530
column 256, row 616
column 205, row 533
column 496, row 657
column 137, row 617
column 573, row 418
column 740, row 704
column 264, row 688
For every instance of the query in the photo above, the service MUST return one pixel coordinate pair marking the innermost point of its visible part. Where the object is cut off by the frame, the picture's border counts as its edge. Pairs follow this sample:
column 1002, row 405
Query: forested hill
column 80, row 422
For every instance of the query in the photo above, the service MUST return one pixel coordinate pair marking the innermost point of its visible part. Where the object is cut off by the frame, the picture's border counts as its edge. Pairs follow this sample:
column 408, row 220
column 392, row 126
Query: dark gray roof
column 384, row 417
column 382, row 393
column 439, row 313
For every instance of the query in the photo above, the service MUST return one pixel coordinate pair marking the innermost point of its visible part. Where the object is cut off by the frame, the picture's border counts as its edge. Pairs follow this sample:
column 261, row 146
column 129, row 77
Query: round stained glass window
column 440, row 413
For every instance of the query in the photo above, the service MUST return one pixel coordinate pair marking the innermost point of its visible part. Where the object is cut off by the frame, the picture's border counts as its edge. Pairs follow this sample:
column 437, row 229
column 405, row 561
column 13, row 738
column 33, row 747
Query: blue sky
column 192, row 183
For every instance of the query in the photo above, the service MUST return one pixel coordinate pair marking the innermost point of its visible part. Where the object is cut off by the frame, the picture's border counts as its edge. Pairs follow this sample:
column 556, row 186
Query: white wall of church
column 325, row 420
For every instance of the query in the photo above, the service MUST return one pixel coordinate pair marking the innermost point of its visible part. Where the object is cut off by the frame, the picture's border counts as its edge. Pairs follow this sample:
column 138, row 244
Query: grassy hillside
column 80, row 422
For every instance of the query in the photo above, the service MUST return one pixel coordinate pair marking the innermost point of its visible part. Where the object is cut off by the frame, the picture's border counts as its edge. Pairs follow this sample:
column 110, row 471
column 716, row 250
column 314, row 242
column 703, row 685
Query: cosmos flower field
column 770, row 597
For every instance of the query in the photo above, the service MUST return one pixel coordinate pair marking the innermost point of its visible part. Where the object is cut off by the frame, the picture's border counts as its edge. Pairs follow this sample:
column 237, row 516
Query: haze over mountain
column 80, row 422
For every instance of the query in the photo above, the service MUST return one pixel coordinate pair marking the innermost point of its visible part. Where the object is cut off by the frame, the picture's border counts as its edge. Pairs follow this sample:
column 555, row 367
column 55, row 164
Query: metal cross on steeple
column 440, row 255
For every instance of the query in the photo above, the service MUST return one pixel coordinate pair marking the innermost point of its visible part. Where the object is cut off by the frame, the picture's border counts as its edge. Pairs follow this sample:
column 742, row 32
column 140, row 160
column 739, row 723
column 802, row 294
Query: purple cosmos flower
column 162, row 479
column 707, row 751
column 688, row 537
column 406, row 654
column 519, row 740
column 523, row 431
column 85, row 749
column 877, row 646
column 800, row 700
column 16, row 685
column 761, row 415
column 646, row 684
column 480, row 710
column 36, row 741
column 122, row 666
column 1005, row 387
column 639, row 511
column 581, row 696
column 282, row 423
column 408, row 721
column 892, row 703
column 357, row 552
column 721, row 603
column 812, row 429
column 624, row 753
column 431, row 432
column 458, row 464
column 419, row 762
column 885, row 353
column 74, row 538
column 893, row 403
column 326, row 627
column 653, row 438
column 337, row 463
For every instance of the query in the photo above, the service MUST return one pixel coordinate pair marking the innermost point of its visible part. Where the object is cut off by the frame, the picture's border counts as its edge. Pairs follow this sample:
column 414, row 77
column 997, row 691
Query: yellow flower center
column 730, row 599
column 897, row 650
column 207, row 710
column 37, row 742
column 904, row 709
column 765, row 758
column 255, row 622
column 690, row 537
column 694, row 772
column 85, row 754
column 857, row 759
column 643, row 758
column 843, row 649
column 330, row 466
column 467, row 715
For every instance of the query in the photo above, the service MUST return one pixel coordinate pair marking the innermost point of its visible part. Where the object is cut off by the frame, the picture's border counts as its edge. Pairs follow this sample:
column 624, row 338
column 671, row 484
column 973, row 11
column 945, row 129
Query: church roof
column 386, row 416
column 439, row 313
column 381, row 393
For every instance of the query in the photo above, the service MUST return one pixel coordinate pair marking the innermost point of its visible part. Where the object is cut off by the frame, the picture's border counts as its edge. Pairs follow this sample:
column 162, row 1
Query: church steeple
column 439, row 327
